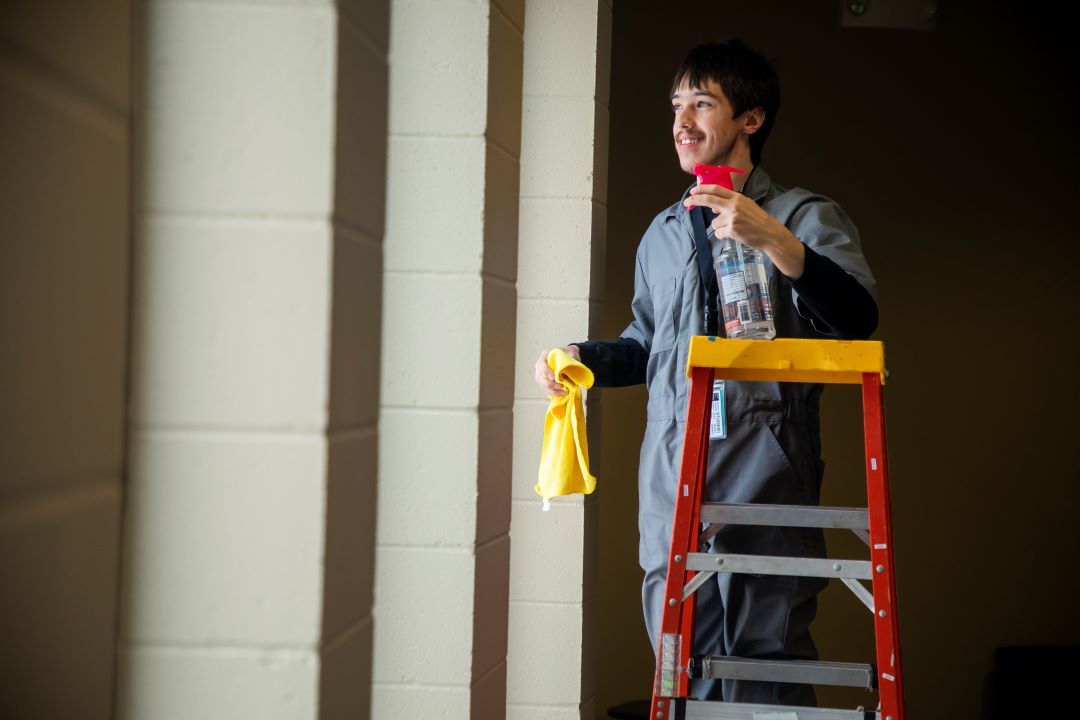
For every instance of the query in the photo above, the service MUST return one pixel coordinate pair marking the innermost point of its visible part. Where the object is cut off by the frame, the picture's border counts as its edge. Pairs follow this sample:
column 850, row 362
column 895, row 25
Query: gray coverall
column 771, row 453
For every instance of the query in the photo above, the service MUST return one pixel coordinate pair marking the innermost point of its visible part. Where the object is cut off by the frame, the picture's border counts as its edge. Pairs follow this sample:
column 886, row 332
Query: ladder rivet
column 659, row 714
column 881, row 613
column 672, row 602
column 719, row 561
column 836, row 567
column 678, row 558
column 660, row 703
column 880, row 568
column 888, row 717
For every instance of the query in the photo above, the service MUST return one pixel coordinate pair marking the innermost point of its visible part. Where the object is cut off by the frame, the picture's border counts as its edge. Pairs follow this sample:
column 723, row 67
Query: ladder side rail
column 686, row 495
column 886, row 620
column 689, row 604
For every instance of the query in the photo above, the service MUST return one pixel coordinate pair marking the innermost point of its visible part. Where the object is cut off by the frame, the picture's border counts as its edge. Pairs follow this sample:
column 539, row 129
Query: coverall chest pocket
column 665, row 328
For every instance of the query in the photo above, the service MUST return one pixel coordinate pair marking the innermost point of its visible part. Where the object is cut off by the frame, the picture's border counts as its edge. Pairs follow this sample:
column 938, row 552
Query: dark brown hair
column 746, row 77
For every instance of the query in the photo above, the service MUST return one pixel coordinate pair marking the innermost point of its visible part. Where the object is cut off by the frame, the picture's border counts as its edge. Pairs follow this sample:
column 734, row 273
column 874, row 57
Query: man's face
column 705, row 130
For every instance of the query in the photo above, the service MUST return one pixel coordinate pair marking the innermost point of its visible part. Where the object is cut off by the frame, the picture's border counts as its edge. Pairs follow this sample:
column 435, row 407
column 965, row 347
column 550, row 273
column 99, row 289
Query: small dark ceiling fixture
column 898, row 14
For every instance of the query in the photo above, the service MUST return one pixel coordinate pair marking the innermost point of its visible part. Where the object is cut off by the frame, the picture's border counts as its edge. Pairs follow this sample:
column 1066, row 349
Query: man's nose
column 682, row 118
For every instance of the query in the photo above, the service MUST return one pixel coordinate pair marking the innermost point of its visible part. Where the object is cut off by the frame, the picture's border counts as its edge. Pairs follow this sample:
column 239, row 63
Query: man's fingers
column 551, row 387
column 542, row 367
column 715, row 197
column 714, row 193
column 719, row 190
column 717, row 204
column 545, row 378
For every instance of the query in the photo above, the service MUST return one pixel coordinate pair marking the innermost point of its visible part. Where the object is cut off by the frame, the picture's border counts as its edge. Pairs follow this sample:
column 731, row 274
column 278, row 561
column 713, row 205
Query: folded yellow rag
column 564, row 459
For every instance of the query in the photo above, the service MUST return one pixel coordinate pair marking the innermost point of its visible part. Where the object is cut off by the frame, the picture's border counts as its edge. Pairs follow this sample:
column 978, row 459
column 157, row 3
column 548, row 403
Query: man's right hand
column 545, row 378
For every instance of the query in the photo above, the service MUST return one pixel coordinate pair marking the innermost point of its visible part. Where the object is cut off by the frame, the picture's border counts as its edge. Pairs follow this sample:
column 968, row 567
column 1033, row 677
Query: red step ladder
column 780, row 360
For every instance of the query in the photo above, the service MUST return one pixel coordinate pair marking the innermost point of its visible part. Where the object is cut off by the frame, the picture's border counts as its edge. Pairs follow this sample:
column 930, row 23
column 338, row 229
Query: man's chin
column 687, row 162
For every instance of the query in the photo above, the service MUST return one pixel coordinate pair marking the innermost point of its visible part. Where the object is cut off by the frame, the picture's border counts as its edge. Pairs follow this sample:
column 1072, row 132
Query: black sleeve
column 834, row 300
column 614, row 363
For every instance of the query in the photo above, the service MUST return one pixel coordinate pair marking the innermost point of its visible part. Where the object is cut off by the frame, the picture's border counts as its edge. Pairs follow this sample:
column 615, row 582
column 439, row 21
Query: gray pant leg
column 764, row 617
column 757, row 616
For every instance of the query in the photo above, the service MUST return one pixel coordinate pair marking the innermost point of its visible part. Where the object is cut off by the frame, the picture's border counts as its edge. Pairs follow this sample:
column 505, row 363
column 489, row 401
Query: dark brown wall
column 953, row 152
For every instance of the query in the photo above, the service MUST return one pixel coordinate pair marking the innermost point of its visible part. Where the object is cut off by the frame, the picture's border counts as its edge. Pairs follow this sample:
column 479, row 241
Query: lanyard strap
column 704, row 261
column 708, row 277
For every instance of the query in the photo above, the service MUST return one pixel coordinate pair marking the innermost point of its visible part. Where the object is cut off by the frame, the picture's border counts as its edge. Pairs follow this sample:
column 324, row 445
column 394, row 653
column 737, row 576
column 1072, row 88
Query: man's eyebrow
column 696, row 93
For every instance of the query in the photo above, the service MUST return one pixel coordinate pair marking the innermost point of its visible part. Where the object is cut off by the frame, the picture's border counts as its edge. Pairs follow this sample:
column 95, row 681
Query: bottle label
column 744, row 292
column 734, row 287
column 757, row 303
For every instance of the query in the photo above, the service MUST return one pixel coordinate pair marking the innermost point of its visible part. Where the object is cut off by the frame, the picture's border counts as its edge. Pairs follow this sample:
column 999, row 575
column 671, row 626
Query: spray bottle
column 740, row 273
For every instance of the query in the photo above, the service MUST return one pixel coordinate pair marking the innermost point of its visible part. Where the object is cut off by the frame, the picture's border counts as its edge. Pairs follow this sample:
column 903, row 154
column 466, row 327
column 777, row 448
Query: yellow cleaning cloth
column 564, row 459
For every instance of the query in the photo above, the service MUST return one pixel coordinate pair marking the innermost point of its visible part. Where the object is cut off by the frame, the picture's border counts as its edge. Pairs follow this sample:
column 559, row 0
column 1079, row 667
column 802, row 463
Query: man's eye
column 675, row 108
column 702, row 104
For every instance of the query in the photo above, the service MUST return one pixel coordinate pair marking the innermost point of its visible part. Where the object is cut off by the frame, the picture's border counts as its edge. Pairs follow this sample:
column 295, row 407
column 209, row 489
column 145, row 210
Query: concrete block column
column 560, row 282
column 249, row 533
column 448, row 358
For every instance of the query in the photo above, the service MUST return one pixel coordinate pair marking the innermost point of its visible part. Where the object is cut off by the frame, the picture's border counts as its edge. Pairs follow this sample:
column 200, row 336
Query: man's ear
column 753, row 119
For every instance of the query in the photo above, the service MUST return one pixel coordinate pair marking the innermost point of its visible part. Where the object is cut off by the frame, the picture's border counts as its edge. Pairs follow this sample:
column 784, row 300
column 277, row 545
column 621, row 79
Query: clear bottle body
column 744, row 292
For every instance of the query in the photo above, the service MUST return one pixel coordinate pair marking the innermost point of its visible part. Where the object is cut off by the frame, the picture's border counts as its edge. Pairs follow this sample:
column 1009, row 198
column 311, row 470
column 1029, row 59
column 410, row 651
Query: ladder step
column 811, row 672
column 777, row 565
column 786, row 515
column 704, row 710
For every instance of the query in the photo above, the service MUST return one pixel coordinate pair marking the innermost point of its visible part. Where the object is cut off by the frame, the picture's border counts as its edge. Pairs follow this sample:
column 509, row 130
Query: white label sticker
column 733, row 285
column 774, row 715
column 718, row 424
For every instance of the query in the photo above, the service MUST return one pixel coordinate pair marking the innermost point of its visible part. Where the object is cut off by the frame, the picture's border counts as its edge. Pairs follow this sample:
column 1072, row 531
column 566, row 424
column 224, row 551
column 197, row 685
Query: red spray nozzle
column 715, row 175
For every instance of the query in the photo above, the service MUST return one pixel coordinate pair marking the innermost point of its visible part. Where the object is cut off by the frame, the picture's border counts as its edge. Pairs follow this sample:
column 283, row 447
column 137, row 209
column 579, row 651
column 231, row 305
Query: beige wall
column 448, row 359
column 552, row 651
column 254, row 400
column 910, row 133
column 243, row 445
column 65, row 105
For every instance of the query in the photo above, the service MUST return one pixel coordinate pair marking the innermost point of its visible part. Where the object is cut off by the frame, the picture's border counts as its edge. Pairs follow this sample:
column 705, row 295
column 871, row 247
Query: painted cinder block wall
column 257, row 272
column 238, row 169
column 448, row 360
column 552, row 653
column 65, row 145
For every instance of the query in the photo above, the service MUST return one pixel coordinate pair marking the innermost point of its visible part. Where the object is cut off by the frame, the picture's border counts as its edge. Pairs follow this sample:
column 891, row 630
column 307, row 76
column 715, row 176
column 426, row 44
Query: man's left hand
column 742, row 219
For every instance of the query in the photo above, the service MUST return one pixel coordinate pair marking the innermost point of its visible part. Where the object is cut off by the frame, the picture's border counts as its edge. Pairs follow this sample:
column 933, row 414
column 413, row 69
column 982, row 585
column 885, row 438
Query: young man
column 724, row 99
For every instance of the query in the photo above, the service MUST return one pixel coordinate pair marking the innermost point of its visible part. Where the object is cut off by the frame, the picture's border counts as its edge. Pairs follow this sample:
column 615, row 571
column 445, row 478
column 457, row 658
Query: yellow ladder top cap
column 788, row 359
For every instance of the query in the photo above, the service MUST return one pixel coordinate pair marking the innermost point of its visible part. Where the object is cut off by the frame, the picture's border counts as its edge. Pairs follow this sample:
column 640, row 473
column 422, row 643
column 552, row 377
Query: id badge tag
column 718, row 424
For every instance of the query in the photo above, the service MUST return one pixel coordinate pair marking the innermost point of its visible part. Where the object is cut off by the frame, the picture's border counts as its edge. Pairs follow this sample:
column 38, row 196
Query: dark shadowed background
column 955, row 153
